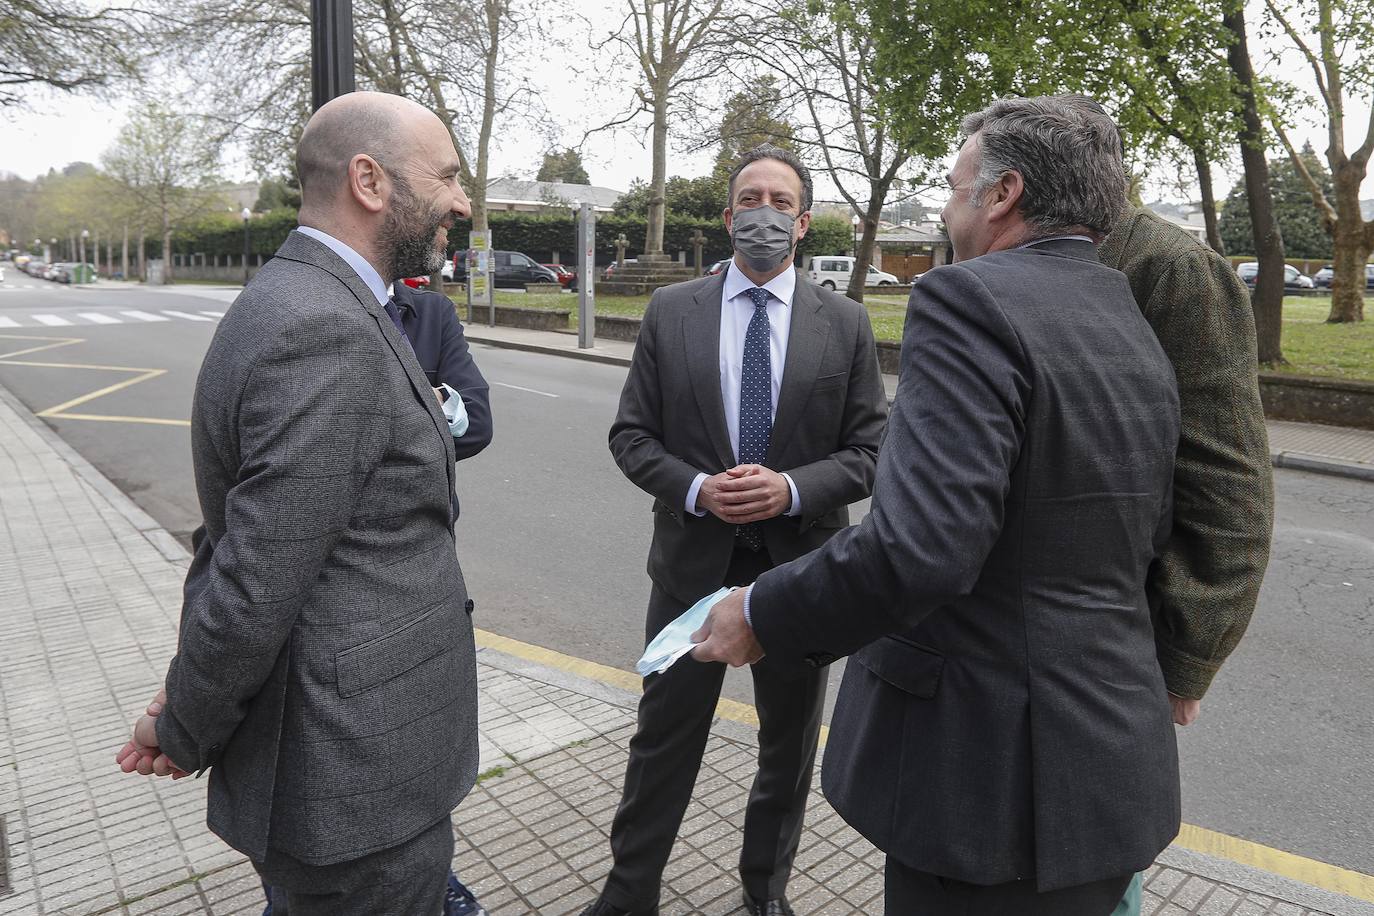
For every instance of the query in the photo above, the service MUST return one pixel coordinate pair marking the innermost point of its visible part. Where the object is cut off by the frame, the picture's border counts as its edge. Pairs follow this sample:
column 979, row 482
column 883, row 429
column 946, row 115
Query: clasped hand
column 141, row 753
column 745, row 493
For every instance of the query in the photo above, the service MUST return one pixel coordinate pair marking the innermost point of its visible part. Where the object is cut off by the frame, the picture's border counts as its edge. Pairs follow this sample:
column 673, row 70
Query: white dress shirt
column 736, row 311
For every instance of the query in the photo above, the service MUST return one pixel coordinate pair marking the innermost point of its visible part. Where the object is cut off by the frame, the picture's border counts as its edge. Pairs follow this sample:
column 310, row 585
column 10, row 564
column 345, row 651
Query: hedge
column 537, row 235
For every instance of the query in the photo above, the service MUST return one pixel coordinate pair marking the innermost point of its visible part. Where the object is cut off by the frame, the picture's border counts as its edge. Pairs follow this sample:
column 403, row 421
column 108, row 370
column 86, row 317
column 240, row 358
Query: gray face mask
column 762, row 237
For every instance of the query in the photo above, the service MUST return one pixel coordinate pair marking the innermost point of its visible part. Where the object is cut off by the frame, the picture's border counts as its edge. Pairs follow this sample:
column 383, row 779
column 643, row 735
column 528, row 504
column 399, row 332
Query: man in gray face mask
column 752, row 414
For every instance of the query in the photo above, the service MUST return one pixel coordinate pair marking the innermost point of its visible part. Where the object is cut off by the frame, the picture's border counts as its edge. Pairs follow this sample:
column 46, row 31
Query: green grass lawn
column 1311, row 346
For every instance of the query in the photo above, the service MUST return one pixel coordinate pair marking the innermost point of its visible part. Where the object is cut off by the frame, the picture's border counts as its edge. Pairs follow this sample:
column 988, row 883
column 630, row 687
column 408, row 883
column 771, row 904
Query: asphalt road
column 553, row 541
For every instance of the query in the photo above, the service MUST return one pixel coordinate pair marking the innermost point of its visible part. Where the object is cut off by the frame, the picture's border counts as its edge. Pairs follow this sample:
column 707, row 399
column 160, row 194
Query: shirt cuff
column 692, row 492
column 455, row 411
column 796, row 500
column 748, row 618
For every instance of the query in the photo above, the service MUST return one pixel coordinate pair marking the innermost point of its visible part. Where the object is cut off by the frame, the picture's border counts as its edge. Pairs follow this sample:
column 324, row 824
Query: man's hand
column 1185, row 711
column 745, row 493
column 726, row 636
column 141, row 754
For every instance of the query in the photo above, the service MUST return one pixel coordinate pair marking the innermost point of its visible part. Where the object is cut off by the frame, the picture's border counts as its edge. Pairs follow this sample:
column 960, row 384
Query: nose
column 461, row 205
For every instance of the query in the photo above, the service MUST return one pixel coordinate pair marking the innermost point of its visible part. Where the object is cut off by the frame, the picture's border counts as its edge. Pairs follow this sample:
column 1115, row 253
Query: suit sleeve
column 1205, row 585
column 846, row 475
column 458, row 369
column 636, row 436
column 311, row 429
column 943, row 475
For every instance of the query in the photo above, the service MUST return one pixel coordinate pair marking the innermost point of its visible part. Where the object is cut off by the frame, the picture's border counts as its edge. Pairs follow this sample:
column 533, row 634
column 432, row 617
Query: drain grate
column 4, row 859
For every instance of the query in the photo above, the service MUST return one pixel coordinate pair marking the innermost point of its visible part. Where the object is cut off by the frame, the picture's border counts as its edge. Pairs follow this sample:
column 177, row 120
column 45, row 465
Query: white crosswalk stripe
column 52, row 321
column 187, row 315
column 145, row 316
column 8, row 323
column 99, row 318
column 215, row 315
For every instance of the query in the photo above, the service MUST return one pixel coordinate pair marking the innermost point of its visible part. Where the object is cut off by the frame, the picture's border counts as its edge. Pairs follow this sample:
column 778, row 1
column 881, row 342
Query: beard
column 408, row 235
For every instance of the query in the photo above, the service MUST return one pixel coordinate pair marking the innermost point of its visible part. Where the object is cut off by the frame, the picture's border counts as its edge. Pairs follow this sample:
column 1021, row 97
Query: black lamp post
column 331, row 50
column 245, row 214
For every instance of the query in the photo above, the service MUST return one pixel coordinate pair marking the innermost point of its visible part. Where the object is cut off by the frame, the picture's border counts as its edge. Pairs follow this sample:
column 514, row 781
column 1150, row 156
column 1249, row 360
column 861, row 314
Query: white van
column 832, row 272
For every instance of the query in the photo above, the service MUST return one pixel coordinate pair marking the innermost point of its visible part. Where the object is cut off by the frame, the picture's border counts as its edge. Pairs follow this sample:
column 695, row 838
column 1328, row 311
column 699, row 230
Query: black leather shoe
column 602, row 908
column 776, row 907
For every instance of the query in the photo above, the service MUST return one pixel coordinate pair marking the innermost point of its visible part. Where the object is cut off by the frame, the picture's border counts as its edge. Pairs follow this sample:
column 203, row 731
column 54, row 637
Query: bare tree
column 1343, row 59
column 164, row 161
column 677, row 46
column 824, row 64
column 64, row 45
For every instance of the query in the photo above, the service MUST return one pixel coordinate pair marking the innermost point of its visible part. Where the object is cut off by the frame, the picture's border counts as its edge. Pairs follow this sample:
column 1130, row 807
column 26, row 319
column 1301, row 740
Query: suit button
column 819, row 659
column 468, row 605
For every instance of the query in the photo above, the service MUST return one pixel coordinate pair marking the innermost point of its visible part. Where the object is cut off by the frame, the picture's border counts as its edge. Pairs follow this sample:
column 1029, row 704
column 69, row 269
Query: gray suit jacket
column 671, row 425
column 325, row 669
column 1004, row 715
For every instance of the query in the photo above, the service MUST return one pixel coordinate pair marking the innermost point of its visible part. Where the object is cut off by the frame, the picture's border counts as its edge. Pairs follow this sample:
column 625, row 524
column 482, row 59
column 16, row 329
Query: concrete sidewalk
column 89, row 602
column 1300, row 446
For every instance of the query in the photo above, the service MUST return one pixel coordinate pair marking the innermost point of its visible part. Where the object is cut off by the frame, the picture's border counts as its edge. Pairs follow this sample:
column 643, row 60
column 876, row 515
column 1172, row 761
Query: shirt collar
column 783, row 286
column 365, row 271
column 1056, row 238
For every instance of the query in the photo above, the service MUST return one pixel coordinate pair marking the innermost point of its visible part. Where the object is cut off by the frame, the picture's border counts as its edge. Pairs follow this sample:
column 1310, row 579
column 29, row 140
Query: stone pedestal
column 644, row 275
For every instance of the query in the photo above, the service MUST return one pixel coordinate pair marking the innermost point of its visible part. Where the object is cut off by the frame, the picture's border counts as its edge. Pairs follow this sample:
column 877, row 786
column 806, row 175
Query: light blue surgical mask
column 675, row 640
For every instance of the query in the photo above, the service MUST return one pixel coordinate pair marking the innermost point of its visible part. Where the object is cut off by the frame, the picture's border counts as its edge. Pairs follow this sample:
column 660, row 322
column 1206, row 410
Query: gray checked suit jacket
column 671, row 425
column 325, row 669
column 1004, row 714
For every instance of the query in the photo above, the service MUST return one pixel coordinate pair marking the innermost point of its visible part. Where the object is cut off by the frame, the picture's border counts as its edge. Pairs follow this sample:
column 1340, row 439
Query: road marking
column 51, row 321
column 145, row 316
column 59, row 411
column 1199, row 839
column 215, row 315
column 545, row 394
column 98, row 318
column 8, row 323
column 187, row 315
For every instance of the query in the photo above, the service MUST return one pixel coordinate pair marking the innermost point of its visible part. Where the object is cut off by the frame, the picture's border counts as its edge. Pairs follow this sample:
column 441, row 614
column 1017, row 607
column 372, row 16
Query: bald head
column 374, row 124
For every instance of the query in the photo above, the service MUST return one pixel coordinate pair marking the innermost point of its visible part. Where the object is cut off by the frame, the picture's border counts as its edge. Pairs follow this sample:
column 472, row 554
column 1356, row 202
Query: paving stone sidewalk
column 89, row 601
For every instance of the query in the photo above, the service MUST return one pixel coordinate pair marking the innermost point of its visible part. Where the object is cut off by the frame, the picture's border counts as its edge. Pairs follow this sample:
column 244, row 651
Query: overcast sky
column 62, row 129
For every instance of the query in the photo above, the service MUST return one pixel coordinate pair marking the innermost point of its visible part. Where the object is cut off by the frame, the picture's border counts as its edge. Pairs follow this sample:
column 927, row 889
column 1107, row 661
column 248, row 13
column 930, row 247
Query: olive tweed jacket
column 1204, row 588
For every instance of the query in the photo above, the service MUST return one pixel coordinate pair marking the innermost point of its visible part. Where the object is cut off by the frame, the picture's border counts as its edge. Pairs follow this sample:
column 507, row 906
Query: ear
column 367, row 183
column 803, row 223
column 1004, row 196
column 728, row 215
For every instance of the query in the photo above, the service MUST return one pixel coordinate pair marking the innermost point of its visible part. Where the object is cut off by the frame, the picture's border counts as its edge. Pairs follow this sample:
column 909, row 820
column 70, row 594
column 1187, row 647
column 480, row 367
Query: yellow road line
column 1199, row 839
column 59, row 411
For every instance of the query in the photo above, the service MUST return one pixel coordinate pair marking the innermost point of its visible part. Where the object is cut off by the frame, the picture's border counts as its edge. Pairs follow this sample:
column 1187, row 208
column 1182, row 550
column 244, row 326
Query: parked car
column 510, row 270
column 1327, row 275
column 1293, row 279
column 35, row 267
column 833, row 272
column 717, row 267
column 563, row 272
column 447, row 270
column 416, row 282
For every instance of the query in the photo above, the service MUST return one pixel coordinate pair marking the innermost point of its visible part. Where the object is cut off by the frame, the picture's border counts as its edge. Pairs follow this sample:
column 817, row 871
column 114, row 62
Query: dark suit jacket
column 1206, row 584
column 435, row 332
column 1004, row 715
column 671, row 425
column 325, row 667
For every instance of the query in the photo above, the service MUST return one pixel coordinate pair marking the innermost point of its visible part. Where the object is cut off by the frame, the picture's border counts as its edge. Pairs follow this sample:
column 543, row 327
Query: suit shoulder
column 1145, row 239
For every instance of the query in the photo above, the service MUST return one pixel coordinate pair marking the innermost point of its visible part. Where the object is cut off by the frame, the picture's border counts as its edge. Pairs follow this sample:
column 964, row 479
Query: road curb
column 1296, row 461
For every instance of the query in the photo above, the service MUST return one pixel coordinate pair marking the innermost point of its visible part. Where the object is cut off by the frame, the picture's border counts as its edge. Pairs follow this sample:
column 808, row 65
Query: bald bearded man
column 325, row 671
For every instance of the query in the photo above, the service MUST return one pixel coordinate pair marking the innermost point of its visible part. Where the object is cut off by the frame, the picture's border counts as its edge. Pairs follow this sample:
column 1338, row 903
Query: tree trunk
column 863, row 256
column 1351, row 248
column 166, row 248
column 1209, row 201
column 143, row 254
column 1267, row 299
column 653, row 235
column 124, row 255
column 493, row 10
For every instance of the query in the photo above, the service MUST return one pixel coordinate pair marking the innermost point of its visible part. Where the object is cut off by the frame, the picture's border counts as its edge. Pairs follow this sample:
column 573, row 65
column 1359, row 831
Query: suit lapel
column 701, row 337
column 805, row 347
column 300, row 247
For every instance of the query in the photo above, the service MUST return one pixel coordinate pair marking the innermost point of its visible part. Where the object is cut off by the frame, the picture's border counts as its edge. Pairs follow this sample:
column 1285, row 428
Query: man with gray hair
column 1003, row 731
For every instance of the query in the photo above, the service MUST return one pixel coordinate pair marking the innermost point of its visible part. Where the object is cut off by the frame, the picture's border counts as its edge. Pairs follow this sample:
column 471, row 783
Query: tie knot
column 759, row 295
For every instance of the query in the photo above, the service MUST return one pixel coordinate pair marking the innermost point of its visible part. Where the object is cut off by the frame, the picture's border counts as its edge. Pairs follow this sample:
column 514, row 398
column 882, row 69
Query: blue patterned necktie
column 394, row 314
column 755, row 400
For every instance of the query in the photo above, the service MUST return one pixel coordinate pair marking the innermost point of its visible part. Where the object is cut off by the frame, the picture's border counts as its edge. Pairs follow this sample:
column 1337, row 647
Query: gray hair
column 769, row 151
column 1068, row 153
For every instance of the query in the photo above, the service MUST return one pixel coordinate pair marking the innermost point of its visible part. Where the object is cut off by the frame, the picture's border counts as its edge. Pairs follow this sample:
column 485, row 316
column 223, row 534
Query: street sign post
column 586, row 272
column 479, row 276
